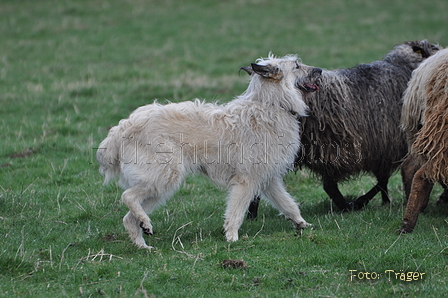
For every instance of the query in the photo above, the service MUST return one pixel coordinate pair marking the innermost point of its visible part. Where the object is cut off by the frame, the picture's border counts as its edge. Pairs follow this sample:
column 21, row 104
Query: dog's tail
column 108, row 155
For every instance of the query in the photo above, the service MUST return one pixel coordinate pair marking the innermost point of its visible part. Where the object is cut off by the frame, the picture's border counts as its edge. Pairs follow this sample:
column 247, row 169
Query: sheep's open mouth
column 308, row 87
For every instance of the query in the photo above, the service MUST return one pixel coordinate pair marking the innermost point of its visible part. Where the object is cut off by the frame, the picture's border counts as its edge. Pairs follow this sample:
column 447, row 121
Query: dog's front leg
column 276, row 193
column 238, row 201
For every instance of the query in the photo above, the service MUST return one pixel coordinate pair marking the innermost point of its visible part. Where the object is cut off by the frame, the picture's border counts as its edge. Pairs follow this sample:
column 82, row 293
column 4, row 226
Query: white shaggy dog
column 246, row 146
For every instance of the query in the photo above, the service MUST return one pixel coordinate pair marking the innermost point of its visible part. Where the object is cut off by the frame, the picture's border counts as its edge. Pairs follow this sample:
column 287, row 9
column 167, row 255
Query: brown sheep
column 427, row 162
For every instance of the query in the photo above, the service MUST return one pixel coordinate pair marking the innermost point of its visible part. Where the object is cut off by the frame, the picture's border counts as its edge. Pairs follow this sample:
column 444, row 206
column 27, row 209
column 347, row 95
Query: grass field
column 71, row 69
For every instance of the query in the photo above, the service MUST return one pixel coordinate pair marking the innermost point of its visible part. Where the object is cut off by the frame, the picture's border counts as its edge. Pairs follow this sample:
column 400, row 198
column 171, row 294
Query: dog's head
column 288, row 67
column 279, row 80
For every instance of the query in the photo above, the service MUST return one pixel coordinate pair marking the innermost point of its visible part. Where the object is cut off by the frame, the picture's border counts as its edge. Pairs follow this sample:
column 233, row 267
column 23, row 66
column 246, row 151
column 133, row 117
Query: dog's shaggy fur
column 353, row 123
column 427, row 162
column 246, row 146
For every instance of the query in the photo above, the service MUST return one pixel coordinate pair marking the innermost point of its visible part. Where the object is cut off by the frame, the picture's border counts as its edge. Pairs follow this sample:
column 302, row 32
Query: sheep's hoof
column 251, row 215
column 354, row 206
column 386, row 202
column 146, row 231
column 350, row 207
column 442, row 201
column 404, row 231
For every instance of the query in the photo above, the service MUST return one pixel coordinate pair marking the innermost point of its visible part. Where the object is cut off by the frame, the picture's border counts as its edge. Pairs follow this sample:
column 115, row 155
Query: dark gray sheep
column 353, row 125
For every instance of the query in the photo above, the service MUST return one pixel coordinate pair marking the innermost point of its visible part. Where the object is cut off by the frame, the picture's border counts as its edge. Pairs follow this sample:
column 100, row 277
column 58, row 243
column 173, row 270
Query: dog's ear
column 247, row 69
column 423, row 48
column 267, row 71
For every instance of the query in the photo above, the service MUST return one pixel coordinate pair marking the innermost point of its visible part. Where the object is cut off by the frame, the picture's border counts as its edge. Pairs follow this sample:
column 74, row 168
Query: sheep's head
column 423, row 48
column 411, row 53
column 307, row 83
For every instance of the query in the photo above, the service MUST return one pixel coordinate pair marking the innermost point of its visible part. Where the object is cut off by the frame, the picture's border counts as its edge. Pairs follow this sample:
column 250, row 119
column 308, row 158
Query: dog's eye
column 297, row 65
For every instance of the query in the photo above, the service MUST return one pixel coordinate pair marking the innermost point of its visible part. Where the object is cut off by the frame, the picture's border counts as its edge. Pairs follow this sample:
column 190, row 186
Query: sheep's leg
column 443, row 199
column 331, row 188
column 252, row 213
column 408, row 169
column 362, row 201
column 276, row 193
column 381, row 186
column 238, row 201
column 418, row 200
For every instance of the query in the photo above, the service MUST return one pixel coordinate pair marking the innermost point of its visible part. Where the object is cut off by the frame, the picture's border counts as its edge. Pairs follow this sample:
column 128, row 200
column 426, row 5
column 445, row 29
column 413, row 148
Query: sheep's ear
column 267, row 71
column 247, row 69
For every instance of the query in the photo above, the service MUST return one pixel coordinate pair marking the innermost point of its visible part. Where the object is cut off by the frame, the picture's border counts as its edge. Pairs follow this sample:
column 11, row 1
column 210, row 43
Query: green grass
column 71, row 69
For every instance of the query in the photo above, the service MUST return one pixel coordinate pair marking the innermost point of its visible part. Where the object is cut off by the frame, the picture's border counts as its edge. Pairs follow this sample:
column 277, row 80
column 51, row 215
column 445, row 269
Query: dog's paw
column 146, row 230
column 140, row 243
column 300, row 224
column 307, row 225
column 148, row 247
column 232, row 236
column 303, row 225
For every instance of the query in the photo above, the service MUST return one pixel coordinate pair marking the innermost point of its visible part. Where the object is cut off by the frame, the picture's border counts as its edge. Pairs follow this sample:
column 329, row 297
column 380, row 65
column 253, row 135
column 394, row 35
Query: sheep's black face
column 411, row 53
column 308, row 82
column 423, row 48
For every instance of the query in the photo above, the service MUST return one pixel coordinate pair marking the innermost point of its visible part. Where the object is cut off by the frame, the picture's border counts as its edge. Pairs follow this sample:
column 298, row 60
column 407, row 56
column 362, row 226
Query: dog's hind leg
column 238, row 201
column 139, row 201
column 276, row 193
column 132, row 225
